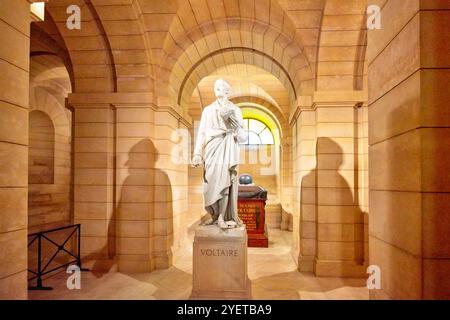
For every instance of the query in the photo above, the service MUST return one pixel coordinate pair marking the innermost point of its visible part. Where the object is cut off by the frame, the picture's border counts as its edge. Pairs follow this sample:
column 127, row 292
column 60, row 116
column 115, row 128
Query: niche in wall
column 41, row 156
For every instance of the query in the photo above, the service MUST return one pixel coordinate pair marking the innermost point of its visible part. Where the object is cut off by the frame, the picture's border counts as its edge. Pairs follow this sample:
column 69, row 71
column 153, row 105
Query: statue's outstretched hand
column 196, row 160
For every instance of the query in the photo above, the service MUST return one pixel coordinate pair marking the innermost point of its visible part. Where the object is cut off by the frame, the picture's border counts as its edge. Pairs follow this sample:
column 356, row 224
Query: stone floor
column 272, row 272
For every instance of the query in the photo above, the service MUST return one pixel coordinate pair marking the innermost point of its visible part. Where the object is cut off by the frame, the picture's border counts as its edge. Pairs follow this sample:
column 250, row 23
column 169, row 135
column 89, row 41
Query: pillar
column 94, row 209
column 305, row 224
column 130, row 180
column 409, row 145
column 14, row 93
column 330, row 184
column 340, row 223
column 135, row 162
column 172, row 215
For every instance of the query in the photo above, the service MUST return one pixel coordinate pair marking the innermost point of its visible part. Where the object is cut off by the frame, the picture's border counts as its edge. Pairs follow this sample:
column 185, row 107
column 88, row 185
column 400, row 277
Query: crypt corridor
column 349, row 135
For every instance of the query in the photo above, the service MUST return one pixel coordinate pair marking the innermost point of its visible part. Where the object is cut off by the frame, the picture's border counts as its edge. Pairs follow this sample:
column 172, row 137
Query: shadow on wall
column 331, row 221
column 140, row 231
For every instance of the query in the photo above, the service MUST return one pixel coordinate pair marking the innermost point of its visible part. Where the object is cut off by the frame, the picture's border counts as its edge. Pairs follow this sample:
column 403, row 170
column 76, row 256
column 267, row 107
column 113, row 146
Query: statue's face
column 222, row 89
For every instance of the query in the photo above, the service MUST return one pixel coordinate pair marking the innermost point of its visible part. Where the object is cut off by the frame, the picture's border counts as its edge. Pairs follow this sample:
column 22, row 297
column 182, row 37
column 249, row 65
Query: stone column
column 285, row 179
column 409, row 145
column 339, row 213
column 330, row 145
column 130, row 181
column 305, row 224
column 14, row 91
column 94, row 184
column 135, row 187
column 172, row 216
column 362, row 181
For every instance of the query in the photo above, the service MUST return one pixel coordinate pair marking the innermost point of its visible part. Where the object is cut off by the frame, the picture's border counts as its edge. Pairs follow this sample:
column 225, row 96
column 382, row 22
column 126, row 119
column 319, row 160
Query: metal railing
column 44, row 270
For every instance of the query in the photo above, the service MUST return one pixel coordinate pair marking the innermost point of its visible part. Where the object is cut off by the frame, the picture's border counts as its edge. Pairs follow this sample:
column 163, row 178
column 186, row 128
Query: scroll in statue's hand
column 227, row 114
column 233, row 122
column 230, row 117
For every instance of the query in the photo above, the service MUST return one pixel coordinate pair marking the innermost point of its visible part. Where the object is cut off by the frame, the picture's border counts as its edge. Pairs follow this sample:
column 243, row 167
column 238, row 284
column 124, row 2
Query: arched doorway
column 261, row 157
column 41, row 154
column 264, row 101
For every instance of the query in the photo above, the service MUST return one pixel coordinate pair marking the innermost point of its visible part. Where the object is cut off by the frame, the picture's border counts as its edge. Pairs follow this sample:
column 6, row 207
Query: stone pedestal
column 220, row 264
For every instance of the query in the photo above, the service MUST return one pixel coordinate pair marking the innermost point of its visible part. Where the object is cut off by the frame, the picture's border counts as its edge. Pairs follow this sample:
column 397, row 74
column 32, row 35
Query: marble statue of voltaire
column 217, row 147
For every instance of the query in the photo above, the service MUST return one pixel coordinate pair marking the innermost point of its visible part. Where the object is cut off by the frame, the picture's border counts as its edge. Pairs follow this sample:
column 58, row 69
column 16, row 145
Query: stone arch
column 230, row 56
column 360, row 72
column 41, row 43
column 43, row 100
column 265, row 105
column 115, row 48
column 267, row 38
column 89, row 47
column 203, row 68
column 129, row 42
column 341, row 51
column 247, row 80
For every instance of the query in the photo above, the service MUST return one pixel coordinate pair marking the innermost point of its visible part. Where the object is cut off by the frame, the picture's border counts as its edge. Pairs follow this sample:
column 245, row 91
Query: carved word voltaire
column 219, row 252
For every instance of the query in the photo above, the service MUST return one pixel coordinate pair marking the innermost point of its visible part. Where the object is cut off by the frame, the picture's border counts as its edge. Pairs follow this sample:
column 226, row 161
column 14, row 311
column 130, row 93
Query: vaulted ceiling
column 246, row 81
column 168, row 47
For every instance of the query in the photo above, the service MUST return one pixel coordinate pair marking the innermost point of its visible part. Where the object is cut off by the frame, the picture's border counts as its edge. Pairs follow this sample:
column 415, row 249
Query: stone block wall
column 408, row 136
column 14, row 64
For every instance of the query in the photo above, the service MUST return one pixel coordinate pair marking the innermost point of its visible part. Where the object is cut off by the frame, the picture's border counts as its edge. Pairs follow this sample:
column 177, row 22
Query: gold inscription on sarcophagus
column 250, row 215
column 251, row 212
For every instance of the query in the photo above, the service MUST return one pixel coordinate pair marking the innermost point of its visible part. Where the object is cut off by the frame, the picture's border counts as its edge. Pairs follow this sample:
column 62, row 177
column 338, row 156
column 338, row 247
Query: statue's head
column 222, row 89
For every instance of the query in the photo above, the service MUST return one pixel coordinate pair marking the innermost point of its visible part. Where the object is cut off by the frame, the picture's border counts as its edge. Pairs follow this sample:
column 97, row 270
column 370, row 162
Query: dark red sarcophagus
column 251, row 210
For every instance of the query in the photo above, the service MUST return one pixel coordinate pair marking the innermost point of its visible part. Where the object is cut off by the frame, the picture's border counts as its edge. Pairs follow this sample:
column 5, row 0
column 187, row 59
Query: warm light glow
column 258, row 114
column 38, row 10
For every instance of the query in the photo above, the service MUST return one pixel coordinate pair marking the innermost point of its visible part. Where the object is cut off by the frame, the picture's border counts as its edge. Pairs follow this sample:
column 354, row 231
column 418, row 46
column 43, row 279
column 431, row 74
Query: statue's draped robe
column 219, row 148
